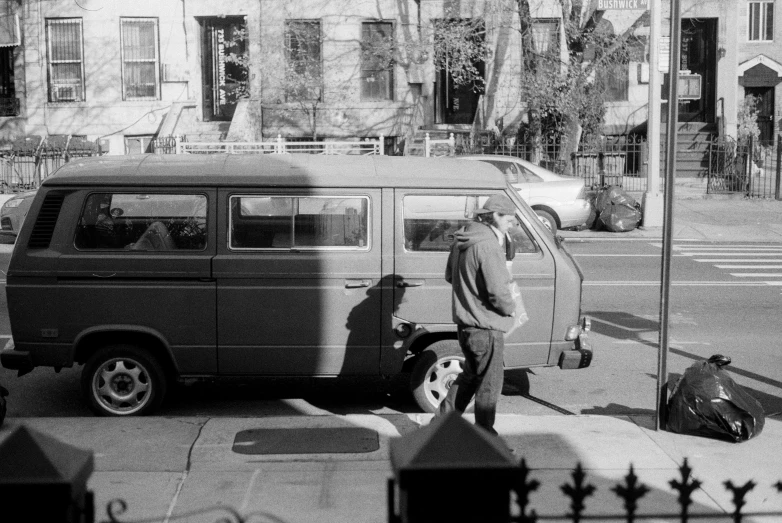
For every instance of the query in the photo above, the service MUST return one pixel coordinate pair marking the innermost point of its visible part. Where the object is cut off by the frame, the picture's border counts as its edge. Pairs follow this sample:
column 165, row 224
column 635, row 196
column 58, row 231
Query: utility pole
column 652, row 202
column 670, row 174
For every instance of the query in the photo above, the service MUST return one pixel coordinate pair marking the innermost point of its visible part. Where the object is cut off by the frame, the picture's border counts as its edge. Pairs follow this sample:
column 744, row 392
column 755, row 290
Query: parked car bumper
column 571, row 214
column 13, row 359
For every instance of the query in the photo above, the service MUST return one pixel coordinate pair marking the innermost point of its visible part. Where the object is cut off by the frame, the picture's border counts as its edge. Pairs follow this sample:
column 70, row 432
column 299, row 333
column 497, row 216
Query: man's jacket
column 481, row 283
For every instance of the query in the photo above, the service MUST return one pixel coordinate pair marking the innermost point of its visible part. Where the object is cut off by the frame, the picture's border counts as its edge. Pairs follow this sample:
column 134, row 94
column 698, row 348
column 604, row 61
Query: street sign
column 622, row 5
column 664, row 46
column 688, row 87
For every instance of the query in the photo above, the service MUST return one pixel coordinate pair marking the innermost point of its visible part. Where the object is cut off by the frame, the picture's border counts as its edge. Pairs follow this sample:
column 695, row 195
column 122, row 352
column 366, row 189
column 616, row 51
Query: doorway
column 457, row 104
column 223, row 51
column 765, row 110
column 699, row 56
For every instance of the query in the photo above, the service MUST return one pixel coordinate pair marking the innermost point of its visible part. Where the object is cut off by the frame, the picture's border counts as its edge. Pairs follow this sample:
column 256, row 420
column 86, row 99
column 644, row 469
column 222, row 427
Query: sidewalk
column 165, row 467
column 701, row 216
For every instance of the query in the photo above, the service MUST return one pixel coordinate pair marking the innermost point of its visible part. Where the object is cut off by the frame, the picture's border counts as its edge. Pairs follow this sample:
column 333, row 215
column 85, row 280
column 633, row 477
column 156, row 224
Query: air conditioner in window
column 64, row 93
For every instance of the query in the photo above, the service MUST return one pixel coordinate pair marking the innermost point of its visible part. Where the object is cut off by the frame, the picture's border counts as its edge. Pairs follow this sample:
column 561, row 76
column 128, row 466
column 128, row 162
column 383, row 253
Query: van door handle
column 356, row 284
column 410, row 283
column 104, row 275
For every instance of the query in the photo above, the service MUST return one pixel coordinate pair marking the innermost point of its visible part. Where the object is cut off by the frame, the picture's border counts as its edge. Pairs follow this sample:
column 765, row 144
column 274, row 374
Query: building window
column 545, row 35
column 139, row 144
column 761, row 21
column 303, row 76
column 140, row 60
column 377, row 73
column 66, row 64
column 614, row 80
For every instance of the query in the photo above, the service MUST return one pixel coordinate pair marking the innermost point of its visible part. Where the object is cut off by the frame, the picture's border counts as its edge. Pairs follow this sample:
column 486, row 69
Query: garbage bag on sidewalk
column 616, row 210
column 707, row 402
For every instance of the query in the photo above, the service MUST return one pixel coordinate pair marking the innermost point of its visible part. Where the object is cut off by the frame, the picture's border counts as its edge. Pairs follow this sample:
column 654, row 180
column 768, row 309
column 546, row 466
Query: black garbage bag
column 3, row 394
column 616, row 210
column 612, row 194
column 707, row 402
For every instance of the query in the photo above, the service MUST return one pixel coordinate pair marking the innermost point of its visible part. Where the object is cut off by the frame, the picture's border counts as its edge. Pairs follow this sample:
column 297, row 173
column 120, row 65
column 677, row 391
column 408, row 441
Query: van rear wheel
column 434, row 371
column 123, row 380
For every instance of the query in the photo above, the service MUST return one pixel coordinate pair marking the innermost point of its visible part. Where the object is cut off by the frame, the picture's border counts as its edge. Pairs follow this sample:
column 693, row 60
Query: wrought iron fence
column 280, row 145
column 752, row 168
column 26, row 162
column 617, row 160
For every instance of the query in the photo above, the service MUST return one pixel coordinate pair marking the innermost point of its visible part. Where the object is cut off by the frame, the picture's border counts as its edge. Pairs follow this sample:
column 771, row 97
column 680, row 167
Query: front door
column 457, row 102
column 424, row 236
column 699, row 56
column 765, row 110
column 298, row 282
column 223, row 49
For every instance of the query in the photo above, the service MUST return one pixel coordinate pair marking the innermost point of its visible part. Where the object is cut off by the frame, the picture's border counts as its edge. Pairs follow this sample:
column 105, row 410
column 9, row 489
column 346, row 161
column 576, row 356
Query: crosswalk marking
column 749, row 266
column 736, row 260
column 759, row 264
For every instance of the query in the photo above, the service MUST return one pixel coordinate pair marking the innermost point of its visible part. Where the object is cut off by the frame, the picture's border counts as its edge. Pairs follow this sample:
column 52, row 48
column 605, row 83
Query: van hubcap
column 440, row 378
column 121, row 386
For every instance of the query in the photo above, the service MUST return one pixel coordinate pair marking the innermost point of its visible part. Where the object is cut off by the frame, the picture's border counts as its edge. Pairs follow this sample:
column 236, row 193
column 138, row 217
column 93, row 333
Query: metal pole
column 670, row 175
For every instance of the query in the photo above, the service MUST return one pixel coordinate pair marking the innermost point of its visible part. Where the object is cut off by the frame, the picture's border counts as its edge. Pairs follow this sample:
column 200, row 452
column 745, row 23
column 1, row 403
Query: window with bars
column 761, row 21
column 303, row 77
column 140, row 59
column 377, row 64
column 66, row 63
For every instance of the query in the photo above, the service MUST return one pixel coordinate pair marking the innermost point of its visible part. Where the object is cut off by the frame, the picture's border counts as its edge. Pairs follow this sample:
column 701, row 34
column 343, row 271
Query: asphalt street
column 715, row 308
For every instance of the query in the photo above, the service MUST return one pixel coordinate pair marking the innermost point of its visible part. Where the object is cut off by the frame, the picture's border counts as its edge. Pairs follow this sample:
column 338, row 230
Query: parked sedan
column 13, row 213
column 559, row 201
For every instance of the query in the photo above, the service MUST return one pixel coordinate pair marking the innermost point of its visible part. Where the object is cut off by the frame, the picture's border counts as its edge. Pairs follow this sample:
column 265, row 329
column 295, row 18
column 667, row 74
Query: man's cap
column 497, row 203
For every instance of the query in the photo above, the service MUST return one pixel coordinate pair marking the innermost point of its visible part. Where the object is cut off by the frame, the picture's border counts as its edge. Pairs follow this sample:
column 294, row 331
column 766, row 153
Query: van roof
column 298, row 170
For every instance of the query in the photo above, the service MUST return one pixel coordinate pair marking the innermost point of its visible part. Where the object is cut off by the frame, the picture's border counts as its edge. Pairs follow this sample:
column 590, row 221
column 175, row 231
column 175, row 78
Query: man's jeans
column 482, row 376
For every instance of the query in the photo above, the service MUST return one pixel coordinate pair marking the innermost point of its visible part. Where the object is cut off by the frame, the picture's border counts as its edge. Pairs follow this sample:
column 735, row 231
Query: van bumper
column 14, row 359
column 579, row 357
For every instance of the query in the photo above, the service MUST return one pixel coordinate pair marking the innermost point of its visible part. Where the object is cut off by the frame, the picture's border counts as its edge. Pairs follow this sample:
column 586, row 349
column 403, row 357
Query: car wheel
column 548, row 220
column 123, row 380
column 434, row 371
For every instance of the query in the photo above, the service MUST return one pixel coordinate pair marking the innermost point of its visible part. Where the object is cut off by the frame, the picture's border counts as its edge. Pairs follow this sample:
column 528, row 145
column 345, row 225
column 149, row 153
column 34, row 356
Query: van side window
column 299, row 222
column 142, row 222
column 430, row 222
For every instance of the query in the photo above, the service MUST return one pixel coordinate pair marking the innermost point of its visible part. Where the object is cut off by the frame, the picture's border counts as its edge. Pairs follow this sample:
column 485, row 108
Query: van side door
column 425, row 230
column 140, row 261
column 298, row 282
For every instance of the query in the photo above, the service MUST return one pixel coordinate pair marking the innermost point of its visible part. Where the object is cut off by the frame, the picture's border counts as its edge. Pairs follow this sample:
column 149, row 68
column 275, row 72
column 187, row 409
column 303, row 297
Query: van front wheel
column 434, row 371
column 123, row 380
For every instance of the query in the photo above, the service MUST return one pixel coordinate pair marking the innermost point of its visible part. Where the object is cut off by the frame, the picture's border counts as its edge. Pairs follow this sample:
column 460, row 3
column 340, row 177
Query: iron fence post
column 777, row 194
column 750, row 162
column 708, row 173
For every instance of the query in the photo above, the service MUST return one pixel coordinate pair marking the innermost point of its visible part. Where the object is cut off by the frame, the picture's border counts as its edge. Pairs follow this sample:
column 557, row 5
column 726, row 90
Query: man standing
column 483, row 308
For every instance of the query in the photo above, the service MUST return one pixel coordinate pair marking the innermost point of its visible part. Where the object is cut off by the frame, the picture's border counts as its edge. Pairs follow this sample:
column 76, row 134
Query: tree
column 564, row 100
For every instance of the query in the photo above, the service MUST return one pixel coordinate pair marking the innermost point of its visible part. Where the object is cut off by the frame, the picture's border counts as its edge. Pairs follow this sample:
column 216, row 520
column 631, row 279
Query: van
column 150, row 268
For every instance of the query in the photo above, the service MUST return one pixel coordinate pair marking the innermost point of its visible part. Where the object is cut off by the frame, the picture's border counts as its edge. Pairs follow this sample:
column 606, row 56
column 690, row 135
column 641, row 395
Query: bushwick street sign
column 603, row 5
